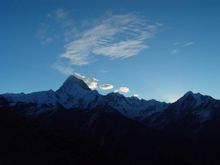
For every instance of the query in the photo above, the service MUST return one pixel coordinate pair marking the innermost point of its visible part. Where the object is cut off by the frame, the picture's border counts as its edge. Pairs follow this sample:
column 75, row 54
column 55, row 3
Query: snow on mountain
column 133, row 107
column 192, row 100
column 74, row 93
column 43, row 97
column 192, row 107
column 32, row 104
column 199, row 105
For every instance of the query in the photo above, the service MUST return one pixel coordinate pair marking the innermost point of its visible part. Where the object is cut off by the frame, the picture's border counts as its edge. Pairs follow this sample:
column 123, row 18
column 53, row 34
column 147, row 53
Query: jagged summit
column 73, row 82
column 198, row 106
column 197, row 98
column 75, row 93
column 191, row 93
column 188, row 93
column 115, row 94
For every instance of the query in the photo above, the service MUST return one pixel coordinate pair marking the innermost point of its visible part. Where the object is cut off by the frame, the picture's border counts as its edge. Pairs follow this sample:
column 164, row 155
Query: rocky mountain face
column 77, row 125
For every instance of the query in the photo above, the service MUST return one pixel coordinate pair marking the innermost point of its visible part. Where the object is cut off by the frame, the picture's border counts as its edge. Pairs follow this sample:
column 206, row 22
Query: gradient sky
column 158, row 49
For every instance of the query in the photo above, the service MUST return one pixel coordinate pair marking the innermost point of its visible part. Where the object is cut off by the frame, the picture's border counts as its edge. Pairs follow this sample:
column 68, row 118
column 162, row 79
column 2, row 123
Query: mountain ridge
column 75, row 94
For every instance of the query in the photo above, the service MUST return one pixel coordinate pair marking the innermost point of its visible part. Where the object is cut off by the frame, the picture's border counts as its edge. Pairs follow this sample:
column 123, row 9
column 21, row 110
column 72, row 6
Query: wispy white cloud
column 188, row 44
column 103, row 71
column 179, row 46
column 106, row 86
column 174, row 51
column 59, row 14
column 112, row 36
column 43, row 34
column 63, row 69
column 122, row 49
column 58, row 24
column 123, row 90
column 116, row 36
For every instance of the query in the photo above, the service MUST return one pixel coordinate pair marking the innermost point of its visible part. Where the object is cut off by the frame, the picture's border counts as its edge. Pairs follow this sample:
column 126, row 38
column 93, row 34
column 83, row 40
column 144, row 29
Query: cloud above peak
column 123, row 90
column 106, row 87
column 115, row 36
column 90, row 81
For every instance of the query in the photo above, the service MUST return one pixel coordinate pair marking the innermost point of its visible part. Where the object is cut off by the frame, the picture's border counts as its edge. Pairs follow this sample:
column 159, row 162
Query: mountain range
column 74, row 93
column 77, row 125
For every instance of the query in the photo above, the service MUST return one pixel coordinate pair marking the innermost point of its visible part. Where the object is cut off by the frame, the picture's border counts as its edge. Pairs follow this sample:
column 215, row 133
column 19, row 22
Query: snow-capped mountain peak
column 74, row 93
column 188, row 94
column 198, row 105
column 73, row 82
column 194, row 99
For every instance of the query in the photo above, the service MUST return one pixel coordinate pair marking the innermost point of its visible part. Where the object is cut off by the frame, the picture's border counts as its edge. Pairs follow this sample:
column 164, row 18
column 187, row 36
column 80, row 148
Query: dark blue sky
column 155, row 48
